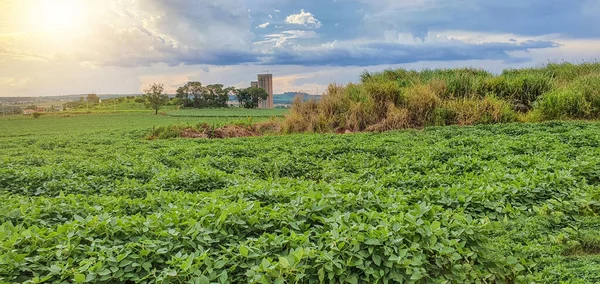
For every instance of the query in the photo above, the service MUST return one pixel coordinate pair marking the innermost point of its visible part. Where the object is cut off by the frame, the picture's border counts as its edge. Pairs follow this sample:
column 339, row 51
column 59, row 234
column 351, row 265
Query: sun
column 58, row 16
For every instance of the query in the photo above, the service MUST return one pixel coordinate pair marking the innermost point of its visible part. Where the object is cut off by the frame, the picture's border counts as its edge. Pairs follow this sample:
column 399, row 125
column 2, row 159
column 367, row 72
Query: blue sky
column 120, row 46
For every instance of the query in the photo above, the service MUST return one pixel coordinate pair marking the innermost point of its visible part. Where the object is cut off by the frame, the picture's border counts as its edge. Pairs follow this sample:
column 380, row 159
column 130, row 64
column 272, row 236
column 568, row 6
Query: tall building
column 265, row 82
column 254, row 84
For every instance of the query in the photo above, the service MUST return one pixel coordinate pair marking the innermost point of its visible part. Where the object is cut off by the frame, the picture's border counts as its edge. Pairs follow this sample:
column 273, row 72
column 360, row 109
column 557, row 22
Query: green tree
column 93, row 99
column 155, row 98
column 249, row 97
column 194, row 94
column 217, row 96
column 140, row 99
column 191, row 94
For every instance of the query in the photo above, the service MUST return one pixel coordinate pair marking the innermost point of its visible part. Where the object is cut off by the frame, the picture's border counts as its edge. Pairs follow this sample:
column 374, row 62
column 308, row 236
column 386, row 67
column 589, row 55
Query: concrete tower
column 254, row 84
column 265, row 82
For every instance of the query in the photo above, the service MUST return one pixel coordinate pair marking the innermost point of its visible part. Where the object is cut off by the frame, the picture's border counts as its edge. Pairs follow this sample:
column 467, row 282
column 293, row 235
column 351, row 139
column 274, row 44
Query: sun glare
column 58, row 16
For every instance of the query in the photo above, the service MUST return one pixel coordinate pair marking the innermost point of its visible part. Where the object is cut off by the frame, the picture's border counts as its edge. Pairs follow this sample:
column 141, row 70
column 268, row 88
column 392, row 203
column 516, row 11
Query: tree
column 249, row 97
column 194, row 94
column 140, row 99
column 93, row 99
column 217, row 96
column 155, row 98
column 191, row 94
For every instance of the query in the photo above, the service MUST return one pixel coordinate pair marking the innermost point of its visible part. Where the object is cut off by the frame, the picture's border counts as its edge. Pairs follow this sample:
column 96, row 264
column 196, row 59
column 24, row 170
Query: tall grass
column 577, row 100
column 401, row 98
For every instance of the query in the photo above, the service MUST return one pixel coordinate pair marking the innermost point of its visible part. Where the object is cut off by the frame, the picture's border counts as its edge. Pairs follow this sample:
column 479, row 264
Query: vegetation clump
column 204, row 130
column 395, row 99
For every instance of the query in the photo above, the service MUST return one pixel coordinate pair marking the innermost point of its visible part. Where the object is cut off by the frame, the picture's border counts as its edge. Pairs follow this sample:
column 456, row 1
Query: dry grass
column 421, row 102
column 193, row 133
column 232, row 131
column 383, row 93
column 469, row 111
column 439, row 88
column 400, row 98
column 270, row 126
column 396, row 118
column 358, row 117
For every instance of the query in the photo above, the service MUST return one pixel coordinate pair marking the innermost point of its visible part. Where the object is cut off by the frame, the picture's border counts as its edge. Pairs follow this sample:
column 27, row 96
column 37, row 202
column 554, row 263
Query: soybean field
column 90, row 199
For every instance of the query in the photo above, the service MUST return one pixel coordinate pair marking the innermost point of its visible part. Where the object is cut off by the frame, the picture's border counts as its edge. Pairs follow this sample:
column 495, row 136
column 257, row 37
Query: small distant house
column 29, row 112
column 40, row 109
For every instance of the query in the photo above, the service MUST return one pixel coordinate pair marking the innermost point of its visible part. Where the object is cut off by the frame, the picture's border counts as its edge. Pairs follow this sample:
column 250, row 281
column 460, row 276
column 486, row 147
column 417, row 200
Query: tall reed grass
column 395, row 99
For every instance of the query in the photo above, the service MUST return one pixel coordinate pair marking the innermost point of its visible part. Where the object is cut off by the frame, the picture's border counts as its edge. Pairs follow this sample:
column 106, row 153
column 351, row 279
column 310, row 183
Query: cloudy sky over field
column 53, row 47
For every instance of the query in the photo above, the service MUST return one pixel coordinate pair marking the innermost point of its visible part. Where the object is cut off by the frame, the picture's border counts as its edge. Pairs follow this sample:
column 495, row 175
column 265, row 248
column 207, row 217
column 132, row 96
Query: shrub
column 36, row 115
column 452, row 96
column 443, row 116
column 530, row 88
column 589, row 86
column 564, row 103
column 521, row 90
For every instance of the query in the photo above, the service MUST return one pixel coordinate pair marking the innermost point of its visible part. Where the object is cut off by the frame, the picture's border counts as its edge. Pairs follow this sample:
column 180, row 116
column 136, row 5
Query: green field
column 109, row 125
column 230, row 112
column 87, row 198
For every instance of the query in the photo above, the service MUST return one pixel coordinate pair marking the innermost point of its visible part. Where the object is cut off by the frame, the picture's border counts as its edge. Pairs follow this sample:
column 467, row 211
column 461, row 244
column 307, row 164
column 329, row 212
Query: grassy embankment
column 396, row 99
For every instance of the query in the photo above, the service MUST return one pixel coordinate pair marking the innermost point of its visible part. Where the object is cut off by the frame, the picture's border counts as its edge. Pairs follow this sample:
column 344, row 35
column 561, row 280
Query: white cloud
column 284, row 38
column 15, row 82
column 262, row 26
column 304, row 18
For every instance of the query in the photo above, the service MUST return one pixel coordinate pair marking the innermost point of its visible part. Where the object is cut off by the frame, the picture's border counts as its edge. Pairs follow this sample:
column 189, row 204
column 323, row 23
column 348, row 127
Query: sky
column 59, row 47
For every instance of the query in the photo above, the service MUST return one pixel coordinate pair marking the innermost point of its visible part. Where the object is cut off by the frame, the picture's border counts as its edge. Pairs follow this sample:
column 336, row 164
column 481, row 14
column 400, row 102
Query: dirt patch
column 205, row 131
column 193, row 133
column 232, row 131
column 268, row 127
column 343, row 130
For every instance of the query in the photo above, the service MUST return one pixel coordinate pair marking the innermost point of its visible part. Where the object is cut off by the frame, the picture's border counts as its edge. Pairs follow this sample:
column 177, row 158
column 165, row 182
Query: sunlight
column 58, row 16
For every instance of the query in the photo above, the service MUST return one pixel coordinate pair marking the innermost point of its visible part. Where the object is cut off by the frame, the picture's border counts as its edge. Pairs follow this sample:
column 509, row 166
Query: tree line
column 196, row 95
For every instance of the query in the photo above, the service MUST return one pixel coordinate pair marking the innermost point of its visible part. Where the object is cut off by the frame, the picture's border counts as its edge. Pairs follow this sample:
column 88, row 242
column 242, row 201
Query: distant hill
column 60, row 98
column 286, row 98
column 281, row 99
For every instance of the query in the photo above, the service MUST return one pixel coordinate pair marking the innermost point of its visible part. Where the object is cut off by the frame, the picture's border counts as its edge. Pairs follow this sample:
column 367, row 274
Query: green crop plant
column 94, row 203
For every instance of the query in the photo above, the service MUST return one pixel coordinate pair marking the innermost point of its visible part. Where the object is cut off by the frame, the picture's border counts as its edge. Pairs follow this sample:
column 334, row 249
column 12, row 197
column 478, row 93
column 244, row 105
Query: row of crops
column 489, row 204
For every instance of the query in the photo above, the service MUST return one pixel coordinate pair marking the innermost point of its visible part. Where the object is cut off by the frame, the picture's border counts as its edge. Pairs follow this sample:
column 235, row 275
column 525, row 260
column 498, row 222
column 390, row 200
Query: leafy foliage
column 194, row 94
column 493, row 203
column 249, row 97
column 92, row 98
column 155, row 98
